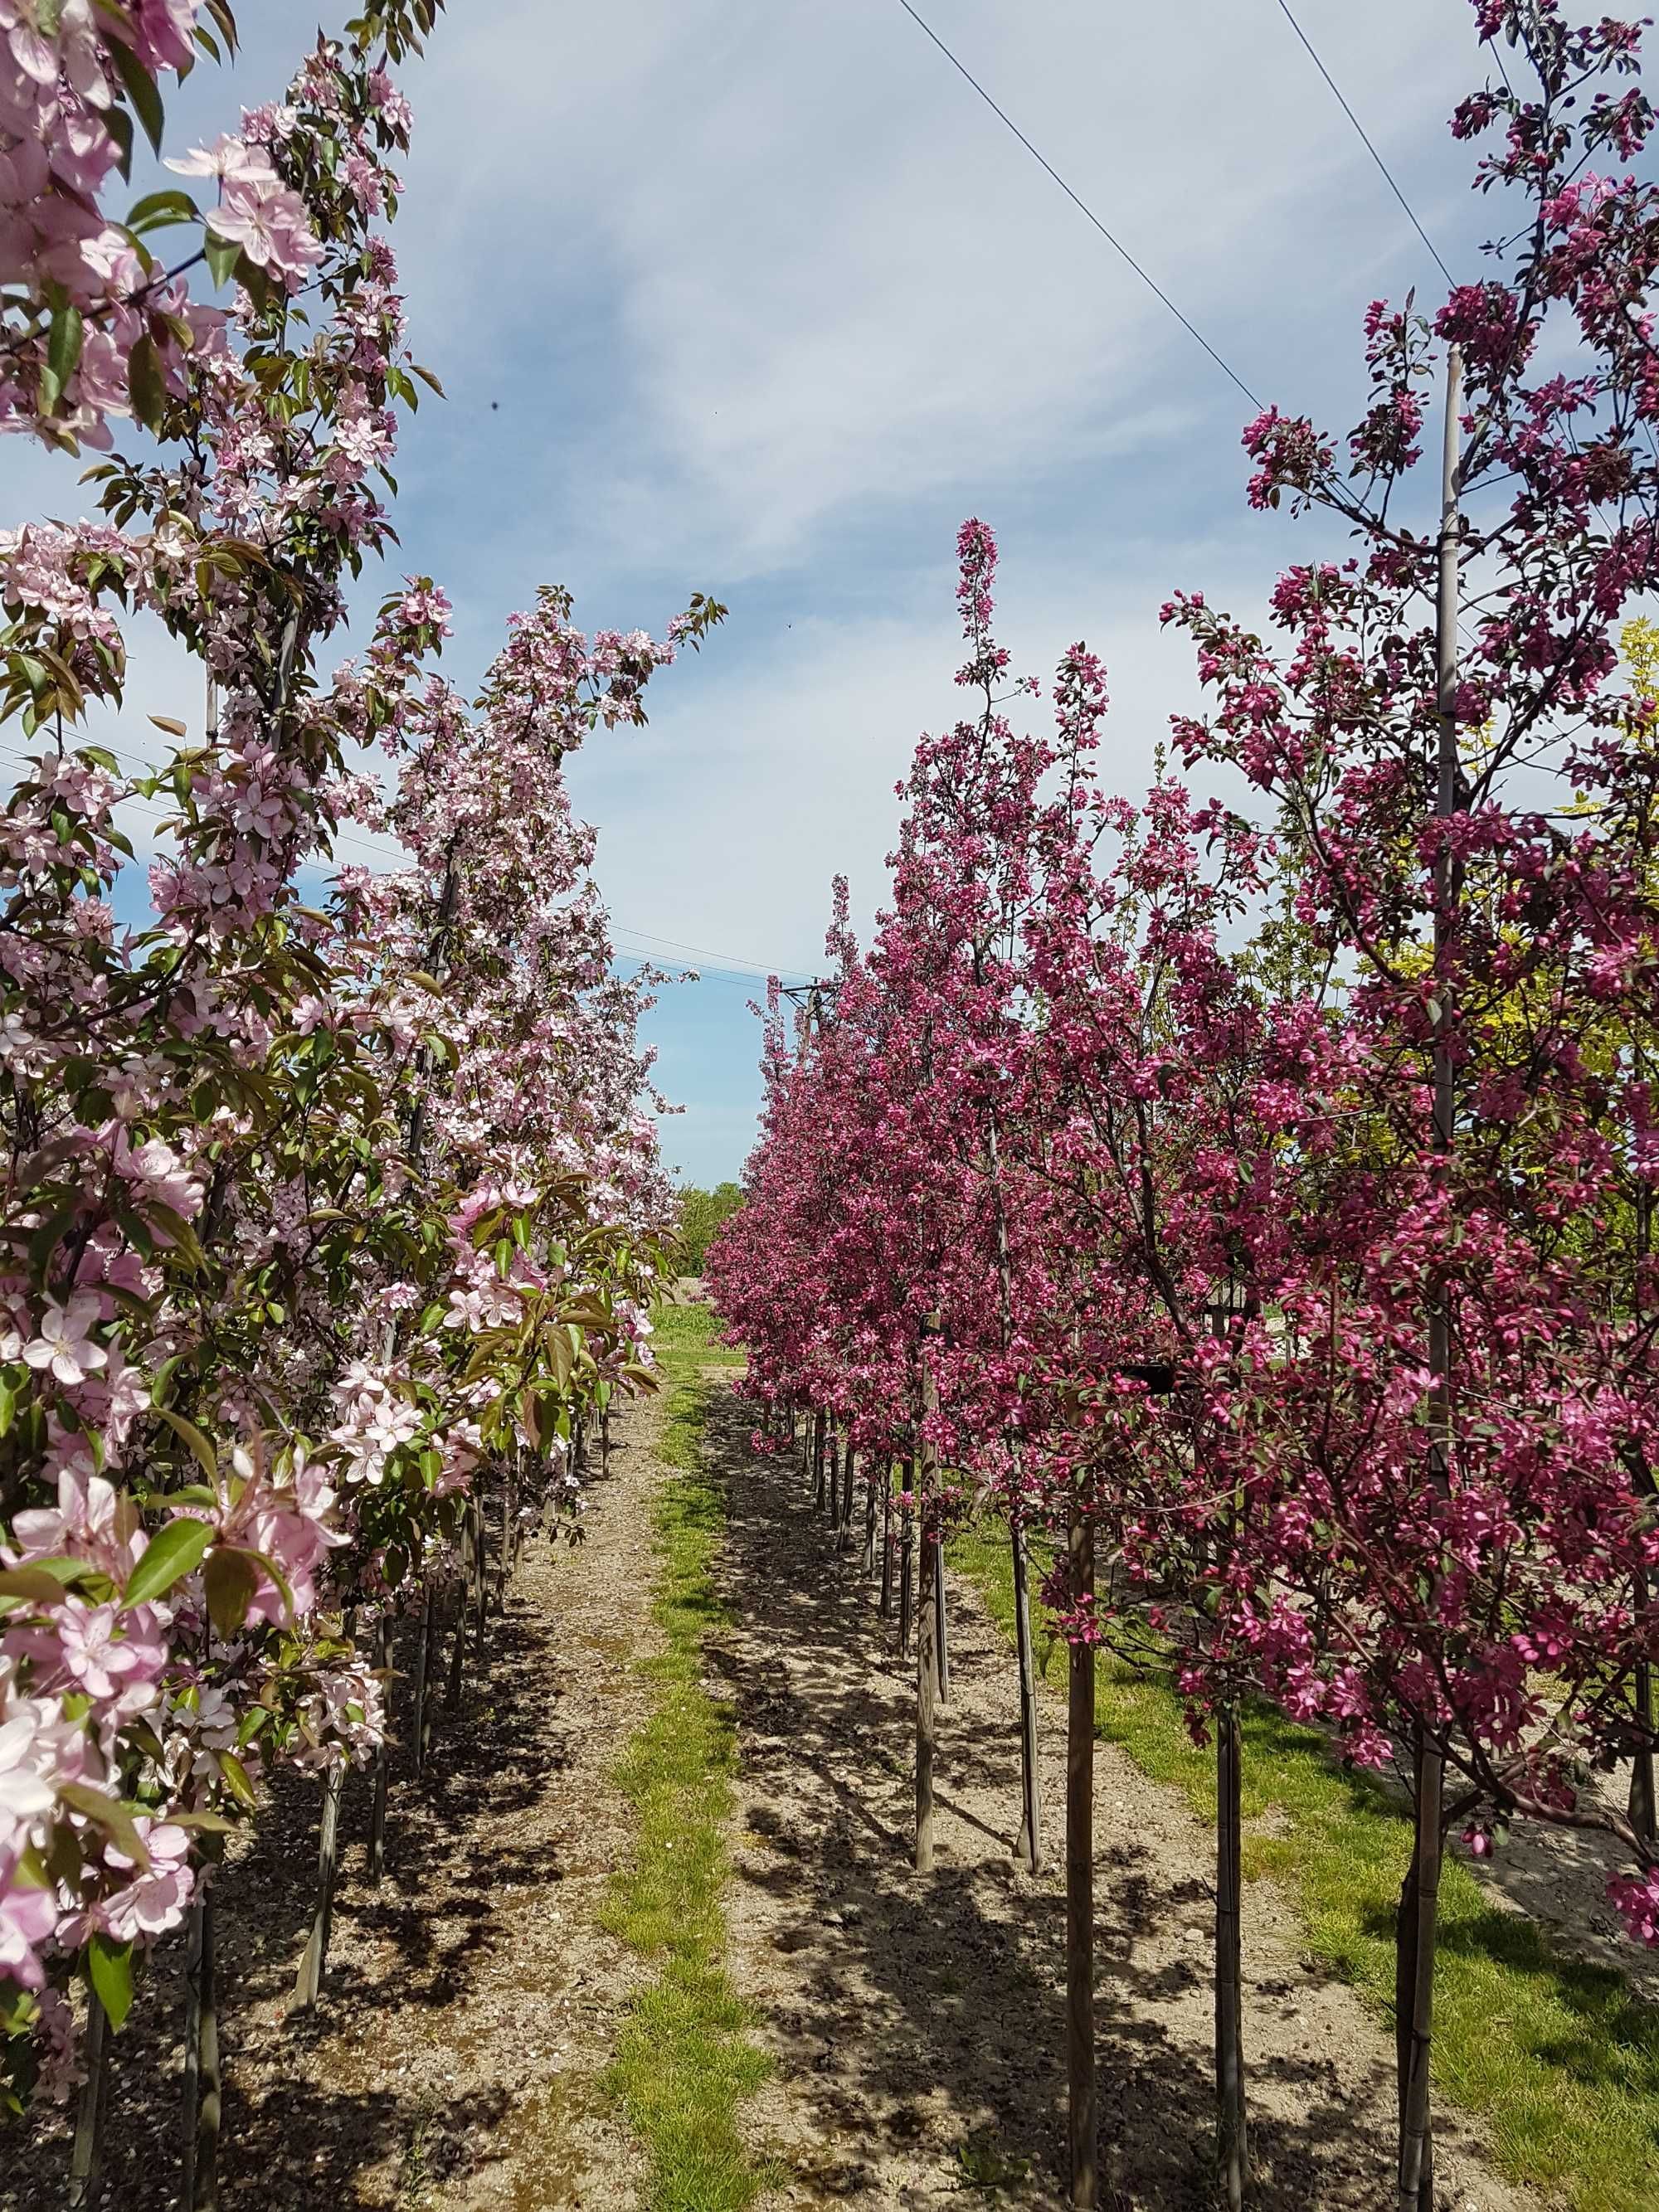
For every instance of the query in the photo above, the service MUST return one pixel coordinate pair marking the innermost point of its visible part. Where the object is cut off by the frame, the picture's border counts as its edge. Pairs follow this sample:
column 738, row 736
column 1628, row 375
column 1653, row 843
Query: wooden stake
column 1080, row 1886
column 1030, row 1845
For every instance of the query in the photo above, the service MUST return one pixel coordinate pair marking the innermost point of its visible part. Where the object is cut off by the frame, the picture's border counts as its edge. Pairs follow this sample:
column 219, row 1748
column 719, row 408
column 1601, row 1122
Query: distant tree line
column 702, row 1213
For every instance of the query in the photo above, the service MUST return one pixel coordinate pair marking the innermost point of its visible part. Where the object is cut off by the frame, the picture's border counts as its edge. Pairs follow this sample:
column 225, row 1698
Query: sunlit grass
column 1560, row 2061
column 686, row 2060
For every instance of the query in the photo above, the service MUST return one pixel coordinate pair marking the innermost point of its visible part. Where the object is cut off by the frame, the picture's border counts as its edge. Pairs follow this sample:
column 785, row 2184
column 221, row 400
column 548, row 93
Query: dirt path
column 916, row 2023
column 472, row 2000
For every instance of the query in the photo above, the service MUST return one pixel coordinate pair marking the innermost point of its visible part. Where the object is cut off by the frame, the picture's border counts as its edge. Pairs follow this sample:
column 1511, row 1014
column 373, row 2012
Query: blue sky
column 756, row 298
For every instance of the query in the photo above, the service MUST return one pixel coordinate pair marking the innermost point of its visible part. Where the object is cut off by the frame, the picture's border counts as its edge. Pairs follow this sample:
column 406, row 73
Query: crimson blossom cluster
column 1264, row 1190
column 332, row 1216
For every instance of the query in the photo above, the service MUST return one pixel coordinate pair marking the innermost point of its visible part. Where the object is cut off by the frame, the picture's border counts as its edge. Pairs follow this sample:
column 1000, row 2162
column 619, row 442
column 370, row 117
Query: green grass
column 1560, row 2060
column 685, row 2060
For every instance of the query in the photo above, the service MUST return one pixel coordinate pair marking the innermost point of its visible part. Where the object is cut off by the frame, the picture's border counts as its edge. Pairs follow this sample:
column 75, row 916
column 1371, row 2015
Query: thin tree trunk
column 1418, row 1911
column 201, row 2088
column 308, row 1983
column 383, row 1657
column 604, row 1439
column 819, row 1453
column 420, row 1721
column 457, row 1649
column 848, row 1459
column 87, row 2157
column 1080, row 1886
column 480, row 1573
column 1030, row 1845
column 941, row 1640
column 1419, row 1902
column 928, row 1649
column 192, row 2081
column 834, row 1456
column 872, row 1462
column 907, row 1573
column 887, row 1540
column 1232, row 2145
column 1644, row 1807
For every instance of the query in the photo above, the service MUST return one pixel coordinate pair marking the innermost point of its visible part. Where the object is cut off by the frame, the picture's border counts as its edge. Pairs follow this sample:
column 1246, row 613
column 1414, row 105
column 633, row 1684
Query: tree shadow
column 919, row 2021
column 302, row 2117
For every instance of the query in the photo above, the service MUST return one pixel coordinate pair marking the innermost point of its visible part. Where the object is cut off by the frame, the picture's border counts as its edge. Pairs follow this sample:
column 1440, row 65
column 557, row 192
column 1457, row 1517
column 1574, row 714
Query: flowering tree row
column 1252, row 1201
column 330, row 1198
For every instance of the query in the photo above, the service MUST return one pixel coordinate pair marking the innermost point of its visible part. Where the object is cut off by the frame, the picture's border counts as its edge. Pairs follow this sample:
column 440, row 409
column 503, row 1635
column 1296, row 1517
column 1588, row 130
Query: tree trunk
column 887, row 1539
column 87, row 2157
column 819, row 1450
column 1419, row 1901
column 847, row 1460
column 308, row 1983
column 202, row 2094
column 1232, row 2145
column 1080, row 1886
column 1030, row 1845
column 872, row 1462
column 1643, row 1808
column 941, row 1641
column 928, row 1650
column 420, row 1718
column 383, row 1656
column 457, row 1649
column 835, row 1480
column 907, row 1571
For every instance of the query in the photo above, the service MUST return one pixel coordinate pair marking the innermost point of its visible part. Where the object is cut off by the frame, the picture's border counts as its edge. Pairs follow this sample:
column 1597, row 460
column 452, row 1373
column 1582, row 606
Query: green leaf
column 207, row 1824
column 162, row 1389
column 202, row 1450
column 145, row 385
column 157, row 209
column 30, row 1585
column 222, row 257
column 109, row 1814
column 118, row 123
column 171, row 1554
column 64, row 348
column 232, row 1579
column 140, row 88
column 109, row 1968
column 236, row 1779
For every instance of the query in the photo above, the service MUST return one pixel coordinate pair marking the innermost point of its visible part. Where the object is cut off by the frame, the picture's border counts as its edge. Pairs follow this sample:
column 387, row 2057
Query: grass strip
column 1560, row 2060
column 685, row 2060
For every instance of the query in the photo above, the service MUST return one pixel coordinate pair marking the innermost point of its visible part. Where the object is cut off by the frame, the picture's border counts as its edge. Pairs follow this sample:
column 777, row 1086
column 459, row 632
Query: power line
column 1363, row 137
column 1082, row 205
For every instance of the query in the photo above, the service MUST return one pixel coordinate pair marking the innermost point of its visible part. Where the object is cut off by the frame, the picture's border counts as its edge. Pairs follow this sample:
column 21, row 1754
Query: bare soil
column 473, row 2000
column 916, row 2023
